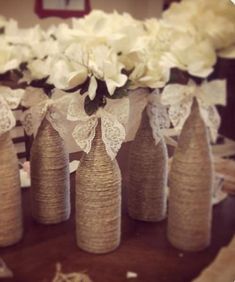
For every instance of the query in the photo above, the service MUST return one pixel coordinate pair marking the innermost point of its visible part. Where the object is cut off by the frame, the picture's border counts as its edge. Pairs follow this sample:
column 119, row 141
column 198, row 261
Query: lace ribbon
column 113, row 118
column 158, row 116
column 9, row 99
column 157, row 113
column 40, row 106
column 179, row 98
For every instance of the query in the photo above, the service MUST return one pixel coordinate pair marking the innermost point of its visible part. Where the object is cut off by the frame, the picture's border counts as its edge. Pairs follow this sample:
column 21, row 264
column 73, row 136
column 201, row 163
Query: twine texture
column 11, row 228
column 190, row 182
column 50, row 191
column 98, row 200
column 147, row 175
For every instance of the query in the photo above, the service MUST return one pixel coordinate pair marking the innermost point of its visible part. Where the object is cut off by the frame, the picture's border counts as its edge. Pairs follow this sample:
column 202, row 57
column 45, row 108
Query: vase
column 147, row 182
column 11, row 226
column 98, row 200
column 50, row 179
column 190, row 184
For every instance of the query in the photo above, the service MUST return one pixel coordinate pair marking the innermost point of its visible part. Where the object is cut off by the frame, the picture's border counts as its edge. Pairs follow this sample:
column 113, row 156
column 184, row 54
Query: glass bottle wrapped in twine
column 98, row 178
column 11, row 228
column 50, row 191
column 148, row 157
column 49, row 159
column 190, row 182
column 11, row 225
column 98, row 200
column 191, row 174
column 147, row 175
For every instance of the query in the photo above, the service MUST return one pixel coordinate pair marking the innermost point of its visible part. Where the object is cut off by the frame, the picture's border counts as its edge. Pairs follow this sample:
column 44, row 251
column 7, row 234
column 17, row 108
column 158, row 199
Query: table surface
column 144, row 249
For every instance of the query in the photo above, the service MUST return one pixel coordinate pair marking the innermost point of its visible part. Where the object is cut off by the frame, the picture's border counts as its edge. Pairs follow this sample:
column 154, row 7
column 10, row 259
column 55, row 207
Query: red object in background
column 56, row 10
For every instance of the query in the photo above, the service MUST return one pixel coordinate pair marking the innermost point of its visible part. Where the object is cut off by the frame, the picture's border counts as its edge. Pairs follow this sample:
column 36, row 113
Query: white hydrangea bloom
column 10, row 58
column 100, row 63
column 191, row 54
column 214, row 20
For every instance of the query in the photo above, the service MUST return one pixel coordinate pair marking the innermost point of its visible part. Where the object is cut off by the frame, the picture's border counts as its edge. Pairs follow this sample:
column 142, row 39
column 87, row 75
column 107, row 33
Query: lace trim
column 84, row 133
column 158, row 119
column 113, row 134
column 7, row 119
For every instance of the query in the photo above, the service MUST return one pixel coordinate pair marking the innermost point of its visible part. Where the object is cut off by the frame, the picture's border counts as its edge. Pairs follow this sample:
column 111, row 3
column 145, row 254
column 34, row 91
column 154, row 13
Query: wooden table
column 144, row 250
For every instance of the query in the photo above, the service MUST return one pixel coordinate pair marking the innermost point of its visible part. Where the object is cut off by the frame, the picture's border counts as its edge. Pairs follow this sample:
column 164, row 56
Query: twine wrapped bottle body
column 11, row 228
column 98, row 200
column 190, row 182
column 50, row 191
column 147, row 175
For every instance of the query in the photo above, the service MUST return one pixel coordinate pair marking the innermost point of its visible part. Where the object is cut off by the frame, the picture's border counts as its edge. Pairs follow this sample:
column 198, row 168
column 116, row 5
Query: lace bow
column 157, row 113
column 9, row 99
column 113, row 121
column 40, row 106
column 179, row 98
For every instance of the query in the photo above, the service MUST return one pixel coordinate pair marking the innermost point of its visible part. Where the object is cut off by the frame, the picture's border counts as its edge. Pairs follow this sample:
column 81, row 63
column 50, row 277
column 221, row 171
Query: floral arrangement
column 102, row 56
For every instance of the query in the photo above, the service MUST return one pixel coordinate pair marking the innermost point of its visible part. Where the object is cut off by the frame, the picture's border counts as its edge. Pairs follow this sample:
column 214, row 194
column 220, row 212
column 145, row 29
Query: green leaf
column 120, row 92
column 90, row 106
column 2, row 30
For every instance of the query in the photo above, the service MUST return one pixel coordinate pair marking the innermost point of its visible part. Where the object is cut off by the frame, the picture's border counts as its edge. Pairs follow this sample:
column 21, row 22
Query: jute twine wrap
column 11, row 228
column 147, row 175
column 50, row 182
column 190, row 182
column 98, row 200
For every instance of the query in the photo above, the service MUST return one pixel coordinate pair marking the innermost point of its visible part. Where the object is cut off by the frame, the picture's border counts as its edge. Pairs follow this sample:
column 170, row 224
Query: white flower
column 119, row 31
column 64, row 73
column 181, row 15
column 147, row 70
column 104, row 65
column 213, row 20
column 10, row 58
column 125, row 34
column 65, row 35
column 100, row 63
column 47, row 47
column 95, row 24
column 40, row 68
column 191, row 54
column 218, row 29
column 26, row 36
column 149, row 74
